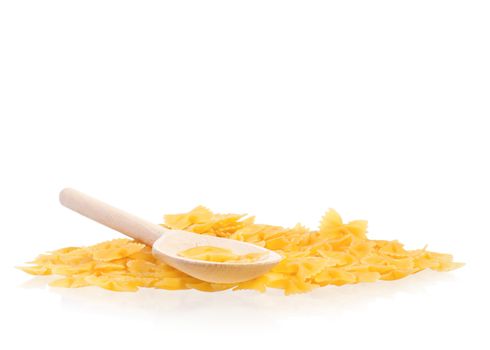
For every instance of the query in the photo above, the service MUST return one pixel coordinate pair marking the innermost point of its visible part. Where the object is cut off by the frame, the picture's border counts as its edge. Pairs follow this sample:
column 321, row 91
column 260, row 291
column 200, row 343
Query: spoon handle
column 109, row 216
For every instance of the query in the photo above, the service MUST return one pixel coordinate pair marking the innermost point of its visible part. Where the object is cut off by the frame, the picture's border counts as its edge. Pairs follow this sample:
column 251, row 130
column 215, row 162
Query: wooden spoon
column 166, row 244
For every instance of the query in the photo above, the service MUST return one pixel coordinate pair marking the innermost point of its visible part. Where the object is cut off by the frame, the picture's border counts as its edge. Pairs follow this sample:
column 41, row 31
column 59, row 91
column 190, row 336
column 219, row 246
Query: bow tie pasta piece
column 338, row 253
column 217, row 254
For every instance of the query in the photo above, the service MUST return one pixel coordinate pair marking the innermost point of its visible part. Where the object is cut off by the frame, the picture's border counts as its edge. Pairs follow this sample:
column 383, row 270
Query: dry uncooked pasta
column 338, row 253
column 217, row 254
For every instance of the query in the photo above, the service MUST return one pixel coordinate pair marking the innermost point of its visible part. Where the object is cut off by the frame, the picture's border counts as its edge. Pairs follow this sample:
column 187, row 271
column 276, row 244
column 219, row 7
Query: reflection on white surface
column 241, row 306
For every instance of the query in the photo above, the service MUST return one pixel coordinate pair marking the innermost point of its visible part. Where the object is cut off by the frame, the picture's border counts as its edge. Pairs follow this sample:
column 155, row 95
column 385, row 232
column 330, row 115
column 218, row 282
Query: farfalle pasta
column 337, row 253
column 218, row 254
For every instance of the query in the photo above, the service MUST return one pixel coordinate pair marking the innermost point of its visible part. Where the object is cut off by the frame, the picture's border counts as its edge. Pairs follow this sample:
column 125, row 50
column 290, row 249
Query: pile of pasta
column 338, row 253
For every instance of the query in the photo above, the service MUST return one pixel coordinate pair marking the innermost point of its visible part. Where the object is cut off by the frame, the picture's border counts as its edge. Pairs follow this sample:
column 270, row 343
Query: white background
column 280, row 109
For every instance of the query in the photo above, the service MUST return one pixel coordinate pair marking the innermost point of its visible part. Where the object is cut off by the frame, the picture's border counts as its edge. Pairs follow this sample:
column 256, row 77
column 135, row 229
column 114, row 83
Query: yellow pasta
column 217, row 254
column 338, row 253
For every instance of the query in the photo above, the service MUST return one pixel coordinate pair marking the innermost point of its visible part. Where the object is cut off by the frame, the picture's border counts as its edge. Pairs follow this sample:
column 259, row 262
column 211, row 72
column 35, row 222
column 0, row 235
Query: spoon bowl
column 170, row 244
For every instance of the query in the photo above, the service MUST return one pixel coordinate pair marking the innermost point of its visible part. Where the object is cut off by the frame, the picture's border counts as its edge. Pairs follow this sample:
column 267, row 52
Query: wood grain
column 105, row 214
